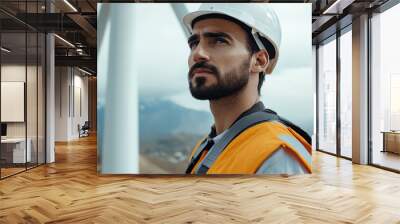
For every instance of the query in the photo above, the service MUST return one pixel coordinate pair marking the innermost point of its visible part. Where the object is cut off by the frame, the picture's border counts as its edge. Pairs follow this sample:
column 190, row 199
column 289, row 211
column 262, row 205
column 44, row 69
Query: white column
column 50, row 99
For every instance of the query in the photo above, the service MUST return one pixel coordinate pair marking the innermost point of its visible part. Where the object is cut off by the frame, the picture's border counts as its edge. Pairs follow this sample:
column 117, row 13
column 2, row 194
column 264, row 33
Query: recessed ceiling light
column 70, row 5
column 337, row 7
column 64, row 40
column 84, row 71
column 5, row 50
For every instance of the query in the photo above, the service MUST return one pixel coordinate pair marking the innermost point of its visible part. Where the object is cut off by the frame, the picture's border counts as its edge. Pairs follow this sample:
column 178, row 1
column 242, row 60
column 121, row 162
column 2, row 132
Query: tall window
column 385, row 84
column 395, row 101
column 327, row 96
column 346, row 94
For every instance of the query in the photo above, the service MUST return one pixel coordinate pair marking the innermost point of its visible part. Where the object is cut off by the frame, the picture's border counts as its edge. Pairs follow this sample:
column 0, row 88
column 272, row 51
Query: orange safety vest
column 250, row 149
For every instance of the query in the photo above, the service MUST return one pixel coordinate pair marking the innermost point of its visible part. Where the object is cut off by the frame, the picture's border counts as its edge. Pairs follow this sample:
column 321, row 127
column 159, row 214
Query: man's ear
column 261, row 61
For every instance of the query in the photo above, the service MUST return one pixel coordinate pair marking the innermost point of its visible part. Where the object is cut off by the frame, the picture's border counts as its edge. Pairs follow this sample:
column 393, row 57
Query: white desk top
column 13, row 140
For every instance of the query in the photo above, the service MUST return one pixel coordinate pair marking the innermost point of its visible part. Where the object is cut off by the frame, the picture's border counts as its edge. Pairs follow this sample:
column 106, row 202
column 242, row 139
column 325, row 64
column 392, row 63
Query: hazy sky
column 162, row 54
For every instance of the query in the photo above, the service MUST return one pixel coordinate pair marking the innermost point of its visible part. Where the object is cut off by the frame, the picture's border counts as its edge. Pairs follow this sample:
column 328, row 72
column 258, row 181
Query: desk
column 15, row 148
column 391, row 141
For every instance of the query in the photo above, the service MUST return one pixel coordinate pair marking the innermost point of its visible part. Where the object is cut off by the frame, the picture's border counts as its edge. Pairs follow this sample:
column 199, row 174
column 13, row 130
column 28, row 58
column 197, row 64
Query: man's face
column 219, row 60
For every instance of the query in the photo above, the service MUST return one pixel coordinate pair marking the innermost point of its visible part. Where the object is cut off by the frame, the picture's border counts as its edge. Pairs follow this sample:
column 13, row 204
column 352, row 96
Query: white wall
column 70, row 83
column 61, row 96
column 79, row 117
column 12, row 73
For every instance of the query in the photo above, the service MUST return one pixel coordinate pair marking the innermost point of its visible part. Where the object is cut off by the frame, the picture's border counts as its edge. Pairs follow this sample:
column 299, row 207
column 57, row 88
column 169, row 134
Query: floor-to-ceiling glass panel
column 385, row 87
column 327, row 96
column 22, row 88
column 41, row 98
column 346, row 94
column 31, row 98
column 314, row 67
column 14, row 153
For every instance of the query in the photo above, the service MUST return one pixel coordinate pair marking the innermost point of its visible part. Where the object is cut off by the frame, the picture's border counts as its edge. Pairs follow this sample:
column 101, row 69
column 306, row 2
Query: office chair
column 84, row 130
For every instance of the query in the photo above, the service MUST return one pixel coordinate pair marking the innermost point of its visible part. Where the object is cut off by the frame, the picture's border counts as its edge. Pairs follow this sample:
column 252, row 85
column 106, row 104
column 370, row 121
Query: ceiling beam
column 85, row 61
column 337, row 7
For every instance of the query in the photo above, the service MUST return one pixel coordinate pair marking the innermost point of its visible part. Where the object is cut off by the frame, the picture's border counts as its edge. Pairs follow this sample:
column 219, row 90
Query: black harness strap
column 206, row 144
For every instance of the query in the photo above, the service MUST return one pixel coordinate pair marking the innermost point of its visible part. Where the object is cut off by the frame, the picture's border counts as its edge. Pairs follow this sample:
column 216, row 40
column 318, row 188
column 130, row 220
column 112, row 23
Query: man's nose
column 200, row 54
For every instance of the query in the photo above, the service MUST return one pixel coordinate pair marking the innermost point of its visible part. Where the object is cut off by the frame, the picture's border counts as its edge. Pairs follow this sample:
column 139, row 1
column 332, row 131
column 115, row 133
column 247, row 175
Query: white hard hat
column 261, row 18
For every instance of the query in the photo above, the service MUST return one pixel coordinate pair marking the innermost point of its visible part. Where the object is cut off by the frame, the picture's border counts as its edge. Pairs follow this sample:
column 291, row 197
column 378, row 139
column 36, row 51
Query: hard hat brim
column 188, row 19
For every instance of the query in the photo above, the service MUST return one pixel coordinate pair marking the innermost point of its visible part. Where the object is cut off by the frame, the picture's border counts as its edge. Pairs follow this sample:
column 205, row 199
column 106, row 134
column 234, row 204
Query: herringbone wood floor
column 70, row 191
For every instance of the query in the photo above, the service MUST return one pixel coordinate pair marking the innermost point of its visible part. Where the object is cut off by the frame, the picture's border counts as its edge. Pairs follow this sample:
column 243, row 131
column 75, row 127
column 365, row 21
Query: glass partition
column 385, row 89
column 346, row 94
column 31, row 100
column 13, row 105
column 22, row 88
column 41, row 107
column 327, row 96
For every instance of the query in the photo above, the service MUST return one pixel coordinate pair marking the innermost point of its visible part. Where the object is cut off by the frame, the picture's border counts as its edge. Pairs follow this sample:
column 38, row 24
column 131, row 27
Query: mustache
column 203, row 65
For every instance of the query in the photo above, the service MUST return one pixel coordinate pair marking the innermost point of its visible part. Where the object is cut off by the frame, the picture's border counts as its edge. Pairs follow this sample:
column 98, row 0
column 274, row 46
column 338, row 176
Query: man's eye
column 193, row 44
column 221, row 40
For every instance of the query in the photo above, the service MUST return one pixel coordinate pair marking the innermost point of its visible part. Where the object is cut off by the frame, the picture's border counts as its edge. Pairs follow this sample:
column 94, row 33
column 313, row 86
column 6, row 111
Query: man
column 232, row 47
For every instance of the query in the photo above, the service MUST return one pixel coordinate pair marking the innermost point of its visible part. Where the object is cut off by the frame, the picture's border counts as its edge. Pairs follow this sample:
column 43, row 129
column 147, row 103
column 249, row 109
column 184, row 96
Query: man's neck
column 228, row 109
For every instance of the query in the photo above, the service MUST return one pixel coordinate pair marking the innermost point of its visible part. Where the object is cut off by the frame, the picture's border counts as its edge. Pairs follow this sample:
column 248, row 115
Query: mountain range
column 158, row 118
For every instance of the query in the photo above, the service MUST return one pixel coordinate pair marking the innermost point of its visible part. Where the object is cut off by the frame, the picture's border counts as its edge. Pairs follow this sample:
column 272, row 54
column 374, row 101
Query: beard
column 227, row 84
